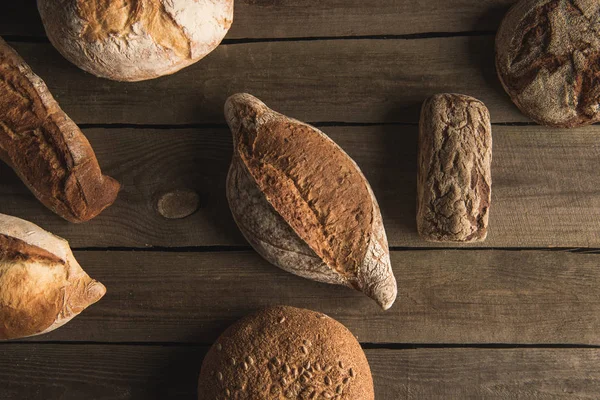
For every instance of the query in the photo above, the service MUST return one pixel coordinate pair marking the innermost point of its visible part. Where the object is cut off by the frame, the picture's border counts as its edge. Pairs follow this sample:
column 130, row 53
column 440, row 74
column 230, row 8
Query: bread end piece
column 46, row 148
column 42, row 287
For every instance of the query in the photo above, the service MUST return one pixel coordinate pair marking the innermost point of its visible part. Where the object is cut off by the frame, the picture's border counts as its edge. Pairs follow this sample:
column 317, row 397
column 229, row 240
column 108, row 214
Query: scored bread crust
column 286, row 353
column 548, row 57
column 42, row 287
column 134, row 40
column 46, row 148
column 303, row 203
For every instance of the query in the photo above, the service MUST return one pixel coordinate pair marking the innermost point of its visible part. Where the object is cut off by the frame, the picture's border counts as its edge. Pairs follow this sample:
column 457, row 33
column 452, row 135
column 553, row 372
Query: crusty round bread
column 286, row 353
column 548, row 59
column 134, row 40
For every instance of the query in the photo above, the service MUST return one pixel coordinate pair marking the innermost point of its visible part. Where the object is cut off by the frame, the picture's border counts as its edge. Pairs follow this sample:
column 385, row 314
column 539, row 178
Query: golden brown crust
column 42, row 287
column 13, row 249
column 454, row 175
column 103, row 18
column 303, row 203
column 46, row 148
column 314, row 187
column 548, row 57
column 133, row 40
column 286, row 353
column 26, row 307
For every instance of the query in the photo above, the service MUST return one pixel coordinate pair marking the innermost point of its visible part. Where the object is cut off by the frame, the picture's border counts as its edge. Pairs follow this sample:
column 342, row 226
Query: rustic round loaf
column 134, row 40
column 548, row 59
column 286, row 353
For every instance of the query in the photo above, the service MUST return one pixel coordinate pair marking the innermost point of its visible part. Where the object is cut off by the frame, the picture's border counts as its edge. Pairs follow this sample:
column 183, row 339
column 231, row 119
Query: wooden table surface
column 515, row 317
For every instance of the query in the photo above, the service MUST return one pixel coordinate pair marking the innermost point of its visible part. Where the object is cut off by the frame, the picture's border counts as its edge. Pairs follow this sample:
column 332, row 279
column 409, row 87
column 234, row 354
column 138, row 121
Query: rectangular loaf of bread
column 454, row 176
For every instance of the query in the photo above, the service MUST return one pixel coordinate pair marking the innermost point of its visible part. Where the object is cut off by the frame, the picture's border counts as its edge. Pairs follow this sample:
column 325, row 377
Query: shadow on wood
column 178, row 375
column 21, row 17
column 399, row 150
column 483, row 53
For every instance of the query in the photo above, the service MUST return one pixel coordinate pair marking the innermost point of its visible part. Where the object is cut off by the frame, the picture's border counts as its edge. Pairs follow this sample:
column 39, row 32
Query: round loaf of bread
column 547, row 57
column 286, row 353
column 134, row 40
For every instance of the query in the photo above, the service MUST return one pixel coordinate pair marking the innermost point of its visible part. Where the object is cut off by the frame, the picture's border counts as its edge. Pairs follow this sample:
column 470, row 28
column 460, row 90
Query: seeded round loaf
column 548, row 59
column 133, row 40
column 286, row 353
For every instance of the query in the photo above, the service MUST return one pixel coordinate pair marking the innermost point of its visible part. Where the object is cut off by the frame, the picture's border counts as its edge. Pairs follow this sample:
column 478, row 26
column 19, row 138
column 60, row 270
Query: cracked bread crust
column 286, row 353
column 45, row 147
column 454, row 172
column 133, row 40
column 548, row 60
column 42, row 287
column 303, row 203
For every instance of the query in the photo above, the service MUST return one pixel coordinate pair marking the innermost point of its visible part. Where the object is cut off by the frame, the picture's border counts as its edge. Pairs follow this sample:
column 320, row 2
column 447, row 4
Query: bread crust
column 303, row 203
column 42, row 287
column 46, row 148
column 134, row 40
column 454, row 177
column 548, row 60
column 286, row 353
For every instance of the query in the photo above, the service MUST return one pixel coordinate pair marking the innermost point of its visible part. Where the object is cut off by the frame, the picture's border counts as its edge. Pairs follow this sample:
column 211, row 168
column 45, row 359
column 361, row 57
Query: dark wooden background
column 515, row 317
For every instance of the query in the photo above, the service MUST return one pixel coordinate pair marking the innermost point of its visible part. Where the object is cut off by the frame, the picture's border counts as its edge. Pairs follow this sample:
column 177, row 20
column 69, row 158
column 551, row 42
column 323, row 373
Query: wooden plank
column 101, row 372
column 93, row 372
column 307, row 18
column 486, row 373
column 445, row 296
column 324, row 80
column 546, row 187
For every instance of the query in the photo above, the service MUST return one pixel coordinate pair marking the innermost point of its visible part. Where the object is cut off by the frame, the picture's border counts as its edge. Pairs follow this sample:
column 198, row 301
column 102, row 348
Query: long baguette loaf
column 303, row 203
column 42, row 287
column 454, row 175
column 46, row 148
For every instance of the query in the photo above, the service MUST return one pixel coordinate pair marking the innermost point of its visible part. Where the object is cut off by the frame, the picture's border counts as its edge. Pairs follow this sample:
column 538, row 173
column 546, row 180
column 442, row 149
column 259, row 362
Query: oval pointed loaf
column 303, row 203
column 286, row 353
column 42, row 287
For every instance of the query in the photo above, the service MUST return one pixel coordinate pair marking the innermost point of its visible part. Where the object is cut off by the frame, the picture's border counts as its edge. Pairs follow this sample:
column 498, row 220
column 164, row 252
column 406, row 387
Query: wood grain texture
column 546, row 186
column 445, row 296
column 323, row 80
column 307, row 18
column 101, row 372
column 486, row 373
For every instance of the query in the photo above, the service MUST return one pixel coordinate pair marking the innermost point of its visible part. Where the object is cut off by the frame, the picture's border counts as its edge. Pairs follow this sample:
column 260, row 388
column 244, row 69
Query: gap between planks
column 318, row 124
column 228, row 249
column 364, row 345
column 226, row 42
